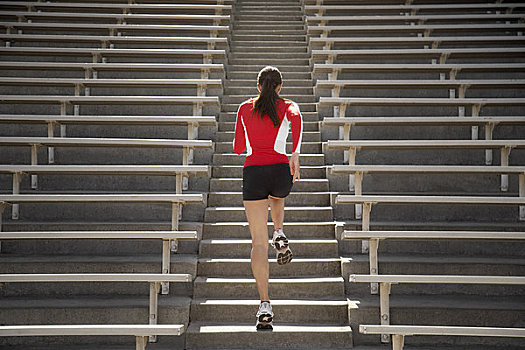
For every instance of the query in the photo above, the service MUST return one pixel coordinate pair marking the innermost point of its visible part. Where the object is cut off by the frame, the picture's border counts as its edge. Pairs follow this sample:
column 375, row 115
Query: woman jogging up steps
column 262, row 129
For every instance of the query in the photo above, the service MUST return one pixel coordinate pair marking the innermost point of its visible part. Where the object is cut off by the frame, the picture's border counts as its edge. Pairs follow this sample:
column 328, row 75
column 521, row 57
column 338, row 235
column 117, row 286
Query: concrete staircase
column 308, row 294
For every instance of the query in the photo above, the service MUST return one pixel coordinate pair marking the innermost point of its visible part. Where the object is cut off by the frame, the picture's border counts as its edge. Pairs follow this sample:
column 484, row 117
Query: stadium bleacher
column 133, row 103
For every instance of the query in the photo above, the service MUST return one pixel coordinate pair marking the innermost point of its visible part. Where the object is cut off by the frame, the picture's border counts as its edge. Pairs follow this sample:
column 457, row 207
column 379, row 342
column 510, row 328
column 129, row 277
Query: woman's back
column 265, row 143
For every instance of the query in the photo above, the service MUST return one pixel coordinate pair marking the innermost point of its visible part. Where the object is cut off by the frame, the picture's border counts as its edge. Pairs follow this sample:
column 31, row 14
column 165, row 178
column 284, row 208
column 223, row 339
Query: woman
column 262, row 128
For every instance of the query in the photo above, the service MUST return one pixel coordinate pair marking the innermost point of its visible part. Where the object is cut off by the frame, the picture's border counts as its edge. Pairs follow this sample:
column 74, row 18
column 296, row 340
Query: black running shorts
column 261, row 181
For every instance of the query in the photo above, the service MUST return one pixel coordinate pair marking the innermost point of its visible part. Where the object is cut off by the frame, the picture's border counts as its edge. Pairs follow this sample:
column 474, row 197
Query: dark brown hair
column 269, row 78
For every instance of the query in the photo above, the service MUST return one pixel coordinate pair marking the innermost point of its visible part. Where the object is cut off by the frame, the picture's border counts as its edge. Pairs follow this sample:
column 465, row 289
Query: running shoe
column 280, row 244
column 264, row 316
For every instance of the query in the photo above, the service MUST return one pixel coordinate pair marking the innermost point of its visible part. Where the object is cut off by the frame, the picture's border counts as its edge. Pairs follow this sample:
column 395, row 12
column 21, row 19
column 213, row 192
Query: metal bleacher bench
column 374, row 237
column 178, row 171
column 315, row 6
column 433, row 41
column 155, row 281
column 118, row 17
column 196, row 101
column 109, row 41
column 80, row 83
column 461, row 85
column 169, row 239
column 91, row 69
column 174, row 199
column 100, row 54
column 442, row 54
column 399, row 332
column 453, row 69
column 126, row 8
column 420, row 19
column 116, row 29
column 386, row 281
column 423, row 29
column 141, row 332
column 476, row 103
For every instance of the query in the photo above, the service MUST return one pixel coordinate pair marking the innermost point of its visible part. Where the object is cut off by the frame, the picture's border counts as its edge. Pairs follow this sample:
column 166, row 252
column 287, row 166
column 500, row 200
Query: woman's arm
column 296, row 119
column 239, row 141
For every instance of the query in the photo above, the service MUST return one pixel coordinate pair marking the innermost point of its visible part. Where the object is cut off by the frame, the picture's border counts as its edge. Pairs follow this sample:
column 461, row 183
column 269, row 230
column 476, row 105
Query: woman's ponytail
column 269, row 78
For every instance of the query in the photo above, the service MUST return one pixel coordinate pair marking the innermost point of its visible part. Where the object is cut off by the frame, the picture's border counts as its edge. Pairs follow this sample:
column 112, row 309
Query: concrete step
column 239, row 248
column 274, row 31
column 243, row 19
column 234, row 159
column 10, row 263
column 235, row 171
column 441, row 265
column 289, row 71
column 279, row 288
column 90, row 310
column 274, row 55
column 285, row 311
column 274, row 46
column 308, row 116
column 261, row 62
column 306, row 267
column 220, row 199
column 227, row 214
column 230, row 126
column 292, row 83
column 308, row 136
column 283, row 336
column 296, row 25
column 235, row 184
column 442, row 310
column 303, row 97
column 303, row 106
column 302, row 93
column 294, row 230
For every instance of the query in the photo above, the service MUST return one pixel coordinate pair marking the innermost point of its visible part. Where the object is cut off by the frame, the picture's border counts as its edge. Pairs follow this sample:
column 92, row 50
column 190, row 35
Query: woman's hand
column 294, row 166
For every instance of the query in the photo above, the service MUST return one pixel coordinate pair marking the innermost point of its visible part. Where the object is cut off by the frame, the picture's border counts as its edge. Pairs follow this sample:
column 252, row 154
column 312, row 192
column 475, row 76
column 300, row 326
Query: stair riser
column 299, row 98
column 236, row 172
column 250, row 72
column 304, row 107
column 233, row 159
column 269, row 61
column 277, row 290
column 219, row 199
column 228, row 185
column 250, row 89
column 295, row 84
column 230, row 117
column 230, row 126
column 295, row 230
column 294, row 215
column 294, row 268
column 265, row 340
column 308, row 148
column 242, row 250
column 270, row 54
column 307, row 137
column 317, row 314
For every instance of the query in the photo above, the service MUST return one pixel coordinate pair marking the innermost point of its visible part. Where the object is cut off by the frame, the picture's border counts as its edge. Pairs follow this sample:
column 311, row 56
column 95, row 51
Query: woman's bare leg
column 277, row 211
column 257, row 215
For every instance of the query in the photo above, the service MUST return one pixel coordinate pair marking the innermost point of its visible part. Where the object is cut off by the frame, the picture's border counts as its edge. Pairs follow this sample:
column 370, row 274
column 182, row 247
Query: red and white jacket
column 266, row 144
